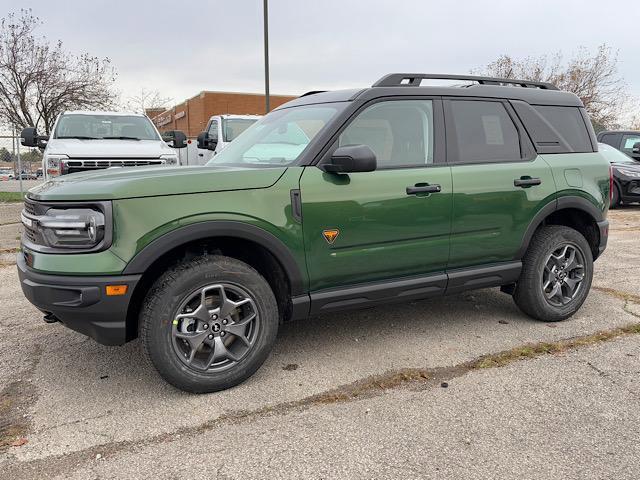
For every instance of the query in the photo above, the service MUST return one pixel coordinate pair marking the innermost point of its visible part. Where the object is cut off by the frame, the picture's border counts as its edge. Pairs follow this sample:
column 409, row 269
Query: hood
column 76, row 148
column 635, row 167
column 116, row 183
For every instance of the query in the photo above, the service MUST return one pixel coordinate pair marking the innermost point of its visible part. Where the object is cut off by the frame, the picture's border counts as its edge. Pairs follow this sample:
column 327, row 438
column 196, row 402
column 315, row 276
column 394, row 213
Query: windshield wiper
column 120, row 138
column 80, row 137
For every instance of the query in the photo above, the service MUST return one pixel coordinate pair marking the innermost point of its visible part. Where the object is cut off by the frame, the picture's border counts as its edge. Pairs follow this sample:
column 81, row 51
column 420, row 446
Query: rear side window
column 484, row 132
column 568, row 123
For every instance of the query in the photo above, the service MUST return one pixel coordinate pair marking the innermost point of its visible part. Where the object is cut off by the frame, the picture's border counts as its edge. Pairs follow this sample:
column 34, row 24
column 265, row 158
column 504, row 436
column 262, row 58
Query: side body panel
column 584, row 175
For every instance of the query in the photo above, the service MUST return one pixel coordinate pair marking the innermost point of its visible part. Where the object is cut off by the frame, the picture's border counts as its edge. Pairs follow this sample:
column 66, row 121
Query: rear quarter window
column 568, row 124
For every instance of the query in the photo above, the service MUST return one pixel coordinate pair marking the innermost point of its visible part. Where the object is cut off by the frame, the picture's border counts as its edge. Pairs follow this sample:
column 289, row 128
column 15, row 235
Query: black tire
column 529, row 294
column 615, row 197
column 163, row 302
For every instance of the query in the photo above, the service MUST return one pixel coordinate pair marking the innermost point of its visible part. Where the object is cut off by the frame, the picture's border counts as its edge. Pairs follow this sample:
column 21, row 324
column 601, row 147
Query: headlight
column 170, row 159
column 53, row 164
column 629, row 173
column 62, row 228
column 74, row 227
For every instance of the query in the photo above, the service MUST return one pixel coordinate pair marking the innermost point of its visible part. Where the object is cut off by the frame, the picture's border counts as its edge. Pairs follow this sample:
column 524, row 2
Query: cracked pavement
column 89, row 411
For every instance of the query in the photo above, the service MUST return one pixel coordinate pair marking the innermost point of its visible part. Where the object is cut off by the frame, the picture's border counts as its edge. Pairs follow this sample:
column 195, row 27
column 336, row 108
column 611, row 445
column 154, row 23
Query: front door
column 373, row 226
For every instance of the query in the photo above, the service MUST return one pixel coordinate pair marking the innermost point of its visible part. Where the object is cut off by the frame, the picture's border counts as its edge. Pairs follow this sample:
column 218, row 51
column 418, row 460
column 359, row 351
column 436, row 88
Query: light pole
column 265, row 10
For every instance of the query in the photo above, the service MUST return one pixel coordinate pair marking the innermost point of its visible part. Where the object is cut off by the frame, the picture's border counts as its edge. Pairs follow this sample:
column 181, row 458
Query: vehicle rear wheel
column 208, row 324
column 615, row 197
column 556, row 274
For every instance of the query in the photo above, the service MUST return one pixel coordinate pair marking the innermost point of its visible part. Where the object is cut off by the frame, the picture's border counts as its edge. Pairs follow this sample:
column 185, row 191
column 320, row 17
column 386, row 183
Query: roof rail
column 414, row 79
column 312, row 92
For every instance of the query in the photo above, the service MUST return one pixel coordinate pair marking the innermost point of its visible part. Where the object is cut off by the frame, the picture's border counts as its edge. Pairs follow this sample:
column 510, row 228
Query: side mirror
column 29, row 138
column 176, row 137
column 206, row 142
column 351, row 159
column 636, row 148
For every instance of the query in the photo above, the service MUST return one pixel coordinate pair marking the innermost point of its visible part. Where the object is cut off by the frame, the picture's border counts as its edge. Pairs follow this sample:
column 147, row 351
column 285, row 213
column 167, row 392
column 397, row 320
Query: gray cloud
column 217, row 45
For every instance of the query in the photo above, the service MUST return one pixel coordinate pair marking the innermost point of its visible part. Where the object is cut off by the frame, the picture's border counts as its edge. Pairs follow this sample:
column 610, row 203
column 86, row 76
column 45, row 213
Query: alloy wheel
column 563, row 275
column 215, row 327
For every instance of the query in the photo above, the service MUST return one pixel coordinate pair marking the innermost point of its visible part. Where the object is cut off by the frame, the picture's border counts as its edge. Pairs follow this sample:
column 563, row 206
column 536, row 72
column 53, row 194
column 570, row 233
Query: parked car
column 87, row 140
column 27, row 176
column 222, row 130
column 394, row 193
column 6, row 175
column 626, row 175
column 627, row 141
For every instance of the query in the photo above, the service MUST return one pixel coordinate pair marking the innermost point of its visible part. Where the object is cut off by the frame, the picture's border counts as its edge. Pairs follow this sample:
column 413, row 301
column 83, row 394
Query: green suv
column 336, row 200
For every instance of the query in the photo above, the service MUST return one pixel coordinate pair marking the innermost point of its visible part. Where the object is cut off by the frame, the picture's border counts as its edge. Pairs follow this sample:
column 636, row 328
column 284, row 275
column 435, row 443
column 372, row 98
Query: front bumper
column 80, row 302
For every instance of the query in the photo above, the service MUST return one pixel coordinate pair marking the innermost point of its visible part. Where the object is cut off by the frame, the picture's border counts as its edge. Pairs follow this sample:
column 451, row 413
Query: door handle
column 525, row 182
column 423, row 188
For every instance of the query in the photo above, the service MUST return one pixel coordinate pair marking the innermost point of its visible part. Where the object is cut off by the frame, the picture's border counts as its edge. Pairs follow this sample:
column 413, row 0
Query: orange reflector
column 330, row 235
column 113, row 290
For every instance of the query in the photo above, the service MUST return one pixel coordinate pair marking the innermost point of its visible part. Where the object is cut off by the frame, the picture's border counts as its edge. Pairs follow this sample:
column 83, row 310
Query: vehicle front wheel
column 556, row 274
column 209, row 323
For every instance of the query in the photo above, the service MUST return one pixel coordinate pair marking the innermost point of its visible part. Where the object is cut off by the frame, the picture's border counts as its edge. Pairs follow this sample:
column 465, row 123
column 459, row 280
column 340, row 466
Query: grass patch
column 11, row 197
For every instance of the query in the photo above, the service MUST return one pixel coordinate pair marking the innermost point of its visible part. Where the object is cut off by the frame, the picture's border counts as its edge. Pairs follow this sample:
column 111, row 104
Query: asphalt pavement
column 391, row 392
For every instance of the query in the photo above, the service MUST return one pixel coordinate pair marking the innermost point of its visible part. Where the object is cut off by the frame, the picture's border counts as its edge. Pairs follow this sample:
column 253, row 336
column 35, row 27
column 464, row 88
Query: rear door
column 499, row 182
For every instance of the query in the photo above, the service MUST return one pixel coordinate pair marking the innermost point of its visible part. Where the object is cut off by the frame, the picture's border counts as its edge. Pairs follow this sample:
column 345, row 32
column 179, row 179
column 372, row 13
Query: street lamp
column 265, row 10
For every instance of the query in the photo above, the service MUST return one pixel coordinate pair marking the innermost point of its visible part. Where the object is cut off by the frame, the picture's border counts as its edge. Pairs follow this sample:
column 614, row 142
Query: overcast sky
column 181, row 48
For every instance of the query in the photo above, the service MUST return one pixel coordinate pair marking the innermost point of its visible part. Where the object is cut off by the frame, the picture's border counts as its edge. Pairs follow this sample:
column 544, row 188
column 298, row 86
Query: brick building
column 192, row 115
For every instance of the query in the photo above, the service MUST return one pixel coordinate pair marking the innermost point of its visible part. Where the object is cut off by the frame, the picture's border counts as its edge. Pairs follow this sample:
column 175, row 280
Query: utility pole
column 265, row 10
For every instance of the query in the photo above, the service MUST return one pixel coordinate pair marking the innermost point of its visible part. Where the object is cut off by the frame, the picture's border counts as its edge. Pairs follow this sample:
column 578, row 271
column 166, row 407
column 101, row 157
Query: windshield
column 614, row 155
column 279, row 138
column 232, row 127
column 97, row 127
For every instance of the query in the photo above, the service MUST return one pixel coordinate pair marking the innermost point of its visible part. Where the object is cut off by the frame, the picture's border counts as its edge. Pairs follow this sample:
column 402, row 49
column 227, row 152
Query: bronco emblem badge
column 330, row 235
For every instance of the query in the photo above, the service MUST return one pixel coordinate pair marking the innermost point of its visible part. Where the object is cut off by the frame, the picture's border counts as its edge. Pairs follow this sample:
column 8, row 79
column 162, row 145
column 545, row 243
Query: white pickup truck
column 220, row 131
column 88, row 140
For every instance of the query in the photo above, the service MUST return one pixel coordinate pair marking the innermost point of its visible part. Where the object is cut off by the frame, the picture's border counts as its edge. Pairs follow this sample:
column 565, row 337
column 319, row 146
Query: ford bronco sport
column 335, row 200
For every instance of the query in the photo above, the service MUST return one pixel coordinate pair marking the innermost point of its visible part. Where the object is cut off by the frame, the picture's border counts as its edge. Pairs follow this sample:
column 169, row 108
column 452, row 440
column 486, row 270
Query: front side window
column 279, row 138
column 628, row 141
column 213, row 130
column 98, row 127
column 400, row 132
column 484, row 132
column 232, row 127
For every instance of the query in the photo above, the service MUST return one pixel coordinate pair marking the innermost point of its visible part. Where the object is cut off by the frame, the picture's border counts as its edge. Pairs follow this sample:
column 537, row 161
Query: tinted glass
column 279, row 138
column 568, row 123
column 628, row 141
column 399, row 132
column 484, row 132
column 105, row 126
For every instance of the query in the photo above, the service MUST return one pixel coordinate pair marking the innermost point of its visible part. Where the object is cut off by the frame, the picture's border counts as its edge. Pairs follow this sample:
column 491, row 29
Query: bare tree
column 146, row 99
column 39, row 80
column 592, row 76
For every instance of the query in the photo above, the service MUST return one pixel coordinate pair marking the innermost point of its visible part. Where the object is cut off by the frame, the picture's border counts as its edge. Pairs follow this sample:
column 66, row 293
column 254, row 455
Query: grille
column 29, row 207
column 85, row 164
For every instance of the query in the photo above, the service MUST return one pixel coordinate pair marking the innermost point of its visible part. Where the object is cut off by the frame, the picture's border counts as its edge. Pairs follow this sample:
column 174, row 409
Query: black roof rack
column 414, row 79
column 312, row 92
